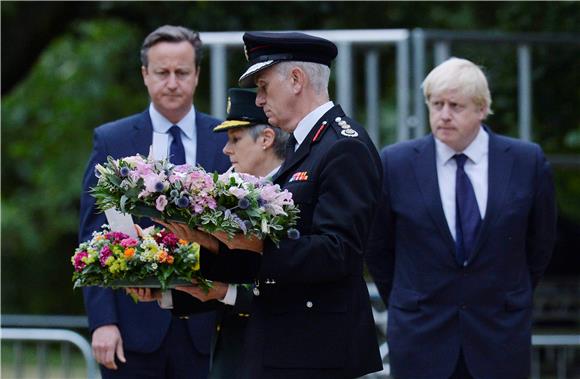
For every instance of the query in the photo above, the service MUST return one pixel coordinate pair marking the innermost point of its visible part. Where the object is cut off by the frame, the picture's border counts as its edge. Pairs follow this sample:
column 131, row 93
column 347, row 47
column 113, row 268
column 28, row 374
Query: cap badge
column 229, row 105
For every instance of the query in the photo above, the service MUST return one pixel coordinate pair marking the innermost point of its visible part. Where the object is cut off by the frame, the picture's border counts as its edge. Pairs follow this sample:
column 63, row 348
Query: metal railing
column 442, row 44
column 561, row 348
column 43, row 337
column 220, row 43
column 411, row 66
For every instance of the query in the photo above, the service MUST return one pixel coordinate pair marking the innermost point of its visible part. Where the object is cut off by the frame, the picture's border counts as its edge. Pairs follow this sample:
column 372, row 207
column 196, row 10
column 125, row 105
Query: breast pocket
column 304, row 196
column 302, row 192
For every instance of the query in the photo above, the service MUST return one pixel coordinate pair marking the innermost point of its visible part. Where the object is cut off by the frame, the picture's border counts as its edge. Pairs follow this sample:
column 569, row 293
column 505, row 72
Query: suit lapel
column 425, row 168
column 143, row 134
column 499, row 172
column 205, row 154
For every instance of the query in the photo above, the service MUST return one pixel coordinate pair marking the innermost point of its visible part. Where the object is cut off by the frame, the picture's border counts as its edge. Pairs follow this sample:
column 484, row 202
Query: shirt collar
column 162, row 124
column 307, row 123
column 476, row 151
column 273, row 172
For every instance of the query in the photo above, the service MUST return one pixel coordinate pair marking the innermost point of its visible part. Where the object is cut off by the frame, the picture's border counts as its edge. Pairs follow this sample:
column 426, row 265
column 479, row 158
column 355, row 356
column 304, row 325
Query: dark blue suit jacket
column 143, row 325
column 437, row 307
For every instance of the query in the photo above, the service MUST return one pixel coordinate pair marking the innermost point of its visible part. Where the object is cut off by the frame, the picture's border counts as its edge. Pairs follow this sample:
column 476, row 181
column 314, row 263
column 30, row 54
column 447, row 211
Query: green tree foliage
column 82, row 80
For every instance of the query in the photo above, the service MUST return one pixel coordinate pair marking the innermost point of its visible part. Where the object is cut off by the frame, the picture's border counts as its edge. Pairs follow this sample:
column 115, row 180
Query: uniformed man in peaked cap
column 311, row 313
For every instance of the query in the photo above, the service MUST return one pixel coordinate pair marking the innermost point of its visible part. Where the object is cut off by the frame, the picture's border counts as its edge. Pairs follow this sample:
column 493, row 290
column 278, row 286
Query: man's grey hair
column 280, row 138
column 319, row 74
column 170, row 33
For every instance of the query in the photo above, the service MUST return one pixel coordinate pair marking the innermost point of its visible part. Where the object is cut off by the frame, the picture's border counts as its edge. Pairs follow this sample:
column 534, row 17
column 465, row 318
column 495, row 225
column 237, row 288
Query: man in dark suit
column 466, row 231
column 310, row 315
column 147, row 341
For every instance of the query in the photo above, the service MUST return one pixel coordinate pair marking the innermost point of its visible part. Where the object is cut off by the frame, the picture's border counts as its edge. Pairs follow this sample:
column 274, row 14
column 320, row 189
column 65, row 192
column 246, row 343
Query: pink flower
column 104, row 255
column 239, row 193
column 161, row 203
column 129, row 242
column 116, row 237
column 78, row 260
column 170, row 240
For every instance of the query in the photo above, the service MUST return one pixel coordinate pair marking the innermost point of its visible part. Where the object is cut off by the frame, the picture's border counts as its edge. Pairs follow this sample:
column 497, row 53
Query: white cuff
column 231, row 294
column 166, row 301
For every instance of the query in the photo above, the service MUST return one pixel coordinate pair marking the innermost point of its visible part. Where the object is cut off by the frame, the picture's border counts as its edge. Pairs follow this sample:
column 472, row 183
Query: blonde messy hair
column 462, row 75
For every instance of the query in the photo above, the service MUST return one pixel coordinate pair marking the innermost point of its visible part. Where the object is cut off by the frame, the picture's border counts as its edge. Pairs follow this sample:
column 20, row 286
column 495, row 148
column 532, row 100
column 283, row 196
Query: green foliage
column 78, row 83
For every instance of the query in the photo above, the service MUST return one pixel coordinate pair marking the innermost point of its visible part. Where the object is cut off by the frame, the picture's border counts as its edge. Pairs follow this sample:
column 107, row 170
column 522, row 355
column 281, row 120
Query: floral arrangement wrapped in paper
column 231, row 202
column 156, row 258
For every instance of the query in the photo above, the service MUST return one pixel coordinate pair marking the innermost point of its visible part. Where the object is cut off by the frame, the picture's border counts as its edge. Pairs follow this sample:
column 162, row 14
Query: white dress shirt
column 188, row 132
column 307, row 123
column 476, row 168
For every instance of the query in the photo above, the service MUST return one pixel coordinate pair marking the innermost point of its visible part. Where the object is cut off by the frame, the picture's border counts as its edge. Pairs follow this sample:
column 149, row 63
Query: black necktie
column 290, row 147
column 176, row 150
column 467, row 216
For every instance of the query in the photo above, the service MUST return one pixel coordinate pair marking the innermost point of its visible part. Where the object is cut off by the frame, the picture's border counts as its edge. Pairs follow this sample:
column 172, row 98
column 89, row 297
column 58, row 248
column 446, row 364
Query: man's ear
column 267, row 138
column 144, row 74
column 298, row 79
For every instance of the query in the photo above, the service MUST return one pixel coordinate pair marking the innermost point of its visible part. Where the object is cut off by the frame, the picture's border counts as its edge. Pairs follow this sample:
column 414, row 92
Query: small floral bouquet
column 156, row 258
column 231, row 202
column 253, row 206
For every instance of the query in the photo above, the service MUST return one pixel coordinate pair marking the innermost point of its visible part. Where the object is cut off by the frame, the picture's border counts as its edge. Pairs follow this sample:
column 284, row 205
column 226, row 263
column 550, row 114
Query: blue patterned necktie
column 467, row 216
column 176, row 150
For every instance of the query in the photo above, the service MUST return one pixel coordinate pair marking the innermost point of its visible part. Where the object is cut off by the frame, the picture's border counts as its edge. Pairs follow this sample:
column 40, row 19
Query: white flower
column 265, row 227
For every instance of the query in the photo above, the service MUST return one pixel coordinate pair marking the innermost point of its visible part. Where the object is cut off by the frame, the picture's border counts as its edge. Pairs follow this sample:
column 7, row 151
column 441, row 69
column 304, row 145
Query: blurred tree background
column 69, row 67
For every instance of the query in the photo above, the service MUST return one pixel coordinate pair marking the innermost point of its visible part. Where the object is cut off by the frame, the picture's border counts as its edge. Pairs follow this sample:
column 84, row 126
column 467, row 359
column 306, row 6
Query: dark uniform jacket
column 311, row 315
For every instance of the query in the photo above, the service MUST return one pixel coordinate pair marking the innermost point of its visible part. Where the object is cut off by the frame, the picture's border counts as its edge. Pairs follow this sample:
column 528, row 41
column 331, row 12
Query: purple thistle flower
column 124, row 171
column 183, row 202
column 261, row 201
column 159, row 187
column 174, row 193
column 293, row 234
column 244, row 203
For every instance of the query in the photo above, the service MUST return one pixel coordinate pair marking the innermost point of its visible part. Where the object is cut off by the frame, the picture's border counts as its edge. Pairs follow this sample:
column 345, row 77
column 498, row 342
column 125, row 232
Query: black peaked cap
column 264, row 49
column 242, row 110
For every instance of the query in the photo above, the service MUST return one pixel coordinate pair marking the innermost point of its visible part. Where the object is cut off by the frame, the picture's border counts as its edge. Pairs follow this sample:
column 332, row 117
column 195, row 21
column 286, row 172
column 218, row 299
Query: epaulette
column 342, row 127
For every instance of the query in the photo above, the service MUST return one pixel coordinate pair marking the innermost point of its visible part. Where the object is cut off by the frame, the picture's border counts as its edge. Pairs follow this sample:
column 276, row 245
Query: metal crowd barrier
column 558, row 349
column 44, row 336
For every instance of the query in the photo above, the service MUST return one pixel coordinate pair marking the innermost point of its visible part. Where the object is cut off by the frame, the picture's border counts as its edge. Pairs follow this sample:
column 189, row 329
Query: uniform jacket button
column 309, row 304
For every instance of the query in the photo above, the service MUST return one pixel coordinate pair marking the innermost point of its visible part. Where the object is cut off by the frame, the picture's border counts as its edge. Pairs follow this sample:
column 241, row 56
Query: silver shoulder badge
column 349, row 132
